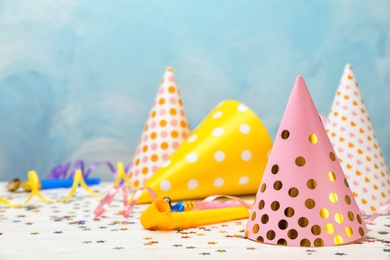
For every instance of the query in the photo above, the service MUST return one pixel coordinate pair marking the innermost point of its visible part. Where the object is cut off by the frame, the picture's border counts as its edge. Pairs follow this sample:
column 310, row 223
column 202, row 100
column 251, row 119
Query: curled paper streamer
column 60, row 171
column 127, row 206
column 78, row 179
column 8, row 204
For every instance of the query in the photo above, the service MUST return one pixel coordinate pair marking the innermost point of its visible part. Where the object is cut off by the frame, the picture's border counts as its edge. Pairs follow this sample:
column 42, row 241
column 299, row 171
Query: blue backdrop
column 78, row 77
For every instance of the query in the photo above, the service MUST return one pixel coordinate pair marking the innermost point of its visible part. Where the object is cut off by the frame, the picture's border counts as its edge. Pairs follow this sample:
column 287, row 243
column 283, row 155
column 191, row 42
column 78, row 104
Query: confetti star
column 102, row 227
column 118, row 248
column 250, row 248
column 204, row 253
column 222, row 231
column 57, row 232
column 87, row 242
column 100, row 241
column 200, row 234
column 30, row 207
column 340, row 254
column 221, row 251
column 123, row 229
column 185, row 237
column 29, row 223
column 228, row 236
column 212, row 243
column 81, row 222
column 177, row 245
column 148, row 244
column 190, row 247
column 147, row 238
column 34, row 233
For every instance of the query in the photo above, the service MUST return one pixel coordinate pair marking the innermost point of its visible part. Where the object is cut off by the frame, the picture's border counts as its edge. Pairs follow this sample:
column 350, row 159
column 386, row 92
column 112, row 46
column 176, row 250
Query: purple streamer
column 60, row 171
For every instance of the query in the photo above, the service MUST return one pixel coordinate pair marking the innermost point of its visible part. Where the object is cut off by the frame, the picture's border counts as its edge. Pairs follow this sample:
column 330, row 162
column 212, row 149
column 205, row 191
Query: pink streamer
column 127, row 208
column 378, row 212
column 208, row 204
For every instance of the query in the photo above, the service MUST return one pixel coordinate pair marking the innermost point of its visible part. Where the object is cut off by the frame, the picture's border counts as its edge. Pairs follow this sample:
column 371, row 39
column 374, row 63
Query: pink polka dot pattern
column 352, row 135
column 162, row 133
column 304, row 199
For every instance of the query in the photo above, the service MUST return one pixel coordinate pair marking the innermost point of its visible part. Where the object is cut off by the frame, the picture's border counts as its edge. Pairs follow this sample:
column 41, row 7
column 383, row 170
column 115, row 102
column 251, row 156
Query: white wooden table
column 69, row 231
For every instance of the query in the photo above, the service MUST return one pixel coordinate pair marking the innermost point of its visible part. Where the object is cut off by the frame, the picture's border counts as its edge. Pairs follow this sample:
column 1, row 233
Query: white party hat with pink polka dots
column 226, row 154
column 304, row 198
column 351, row 132
column 165, row 130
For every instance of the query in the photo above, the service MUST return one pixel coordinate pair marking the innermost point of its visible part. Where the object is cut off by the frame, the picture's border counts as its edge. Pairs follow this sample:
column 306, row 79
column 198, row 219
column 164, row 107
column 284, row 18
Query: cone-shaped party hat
column 352, row 135
column 304, row 198
column 226, row 154
column 165, row 130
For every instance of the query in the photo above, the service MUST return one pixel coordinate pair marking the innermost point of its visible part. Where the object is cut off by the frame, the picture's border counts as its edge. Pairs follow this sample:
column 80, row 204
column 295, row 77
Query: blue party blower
column 65, row 183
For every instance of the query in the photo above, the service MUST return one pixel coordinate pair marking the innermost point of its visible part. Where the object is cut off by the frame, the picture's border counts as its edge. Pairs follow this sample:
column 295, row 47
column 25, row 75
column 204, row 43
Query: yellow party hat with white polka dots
column 351, row 132
column 165, row 130
column 304, row 199
column 226, row 154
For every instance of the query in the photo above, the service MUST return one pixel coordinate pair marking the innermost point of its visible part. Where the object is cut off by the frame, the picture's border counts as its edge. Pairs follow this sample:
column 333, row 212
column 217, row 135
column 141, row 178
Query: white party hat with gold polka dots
column 165, row 130
column 226, row 154
column 304, row 198
column 351, row 132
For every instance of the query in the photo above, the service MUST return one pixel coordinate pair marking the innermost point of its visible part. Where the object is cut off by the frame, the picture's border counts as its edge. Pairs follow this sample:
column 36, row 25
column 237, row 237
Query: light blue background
column 77, row 78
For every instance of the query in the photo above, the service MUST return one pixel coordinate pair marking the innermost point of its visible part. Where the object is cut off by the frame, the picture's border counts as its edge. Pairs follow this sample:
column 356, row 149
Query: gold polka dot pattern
column 315, row 206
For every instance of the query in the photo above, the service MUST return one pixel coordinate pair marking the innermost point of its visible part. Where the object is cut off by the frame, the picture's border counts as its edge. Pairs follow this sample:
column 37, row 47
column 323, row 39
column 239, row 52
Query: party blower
column 159, row 216
column 304, row 199
column 165, row 130
column 351, row 132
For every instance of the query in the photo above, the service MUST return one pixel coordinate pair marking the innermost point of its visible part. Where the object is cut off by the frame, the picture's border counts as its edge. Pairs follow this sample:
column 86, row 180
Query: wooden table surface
column 41, row 230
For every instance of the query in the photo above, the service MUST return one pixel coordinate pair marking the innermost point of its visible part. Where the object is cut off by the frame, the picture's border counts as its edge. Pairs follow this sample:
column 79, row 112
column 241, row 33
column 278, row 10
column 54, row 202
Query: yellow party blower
column 158, row 216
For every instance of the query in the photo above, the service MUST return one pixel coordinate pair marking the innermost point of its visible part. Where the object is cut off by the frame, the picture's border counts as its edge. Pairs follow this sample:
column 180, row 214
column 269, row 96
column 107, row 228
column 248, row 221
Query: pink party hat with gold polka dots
column 165, row 130
column 226, row 154
column 351, row 132
column 304, row 198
